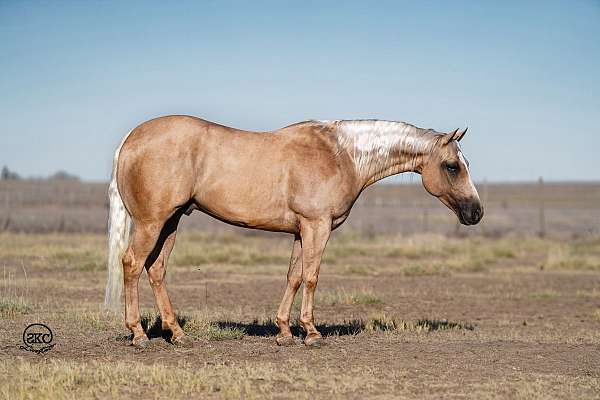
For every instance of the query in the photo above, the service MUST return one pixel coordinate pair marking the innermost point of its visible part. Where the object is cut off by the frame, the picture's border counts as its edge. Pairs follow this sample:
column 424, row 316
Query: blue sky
column 524, row 76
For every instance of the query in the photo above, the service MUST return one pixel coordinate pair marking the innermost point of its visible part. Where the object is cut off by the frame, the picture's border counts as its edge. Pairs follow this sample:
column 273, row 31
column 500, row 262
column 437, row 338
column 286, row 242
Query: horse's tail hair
column 119, row 226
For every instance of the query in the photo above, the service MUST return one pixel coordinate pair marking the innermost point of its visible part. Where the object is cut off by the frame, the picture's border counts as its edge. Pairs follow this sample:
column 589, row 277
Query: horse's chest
column 339, row 220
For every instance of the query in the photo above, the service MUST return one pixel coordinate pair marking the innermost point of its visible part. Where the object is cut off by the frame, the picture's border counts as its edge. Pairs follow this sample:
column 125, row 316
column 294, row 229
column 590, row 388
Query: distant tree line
column 7, row 175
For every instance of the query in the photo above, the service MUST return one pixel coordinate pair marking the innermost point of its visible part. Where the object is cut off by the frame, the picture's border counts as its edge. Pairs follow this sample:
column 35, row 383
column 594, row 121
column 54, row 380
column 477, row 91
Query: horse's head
column 446, row 176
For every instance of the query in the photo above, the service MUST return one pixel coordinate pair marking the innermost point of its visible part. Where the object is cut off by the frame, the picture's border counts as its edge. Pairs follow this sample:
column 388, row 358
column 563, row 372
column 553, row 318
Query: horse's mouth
column 470, row 213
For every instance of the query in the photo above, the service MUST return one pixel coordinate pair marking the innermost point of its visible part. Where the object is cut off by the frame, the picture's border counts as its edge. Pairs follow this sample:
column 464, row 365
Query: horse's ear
column 454, row 135
column 448, row 137
column 460, row 134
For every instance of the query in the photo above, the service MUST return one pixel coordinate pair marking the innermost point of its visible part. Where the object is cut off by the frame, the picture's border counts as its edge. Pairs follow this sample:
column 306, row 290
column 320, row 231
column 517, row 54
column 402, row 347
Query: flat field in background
column 561, row 210
column 411, row 305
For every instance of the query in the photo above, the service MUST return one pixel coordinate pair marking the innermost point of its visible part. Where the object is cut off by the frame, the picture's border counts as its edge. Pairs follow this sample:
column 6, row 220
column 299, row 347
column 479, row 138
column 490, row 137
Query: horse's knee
column 311, row 282
column 156, row 275
column 129, row 267
column 127, row 259
column 294, row 282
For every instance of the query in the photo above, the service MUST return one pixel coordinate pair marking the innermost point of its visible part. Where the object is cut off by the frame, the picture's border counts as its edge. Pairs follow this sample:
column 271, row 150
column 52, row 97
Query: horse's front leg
column 314, row 234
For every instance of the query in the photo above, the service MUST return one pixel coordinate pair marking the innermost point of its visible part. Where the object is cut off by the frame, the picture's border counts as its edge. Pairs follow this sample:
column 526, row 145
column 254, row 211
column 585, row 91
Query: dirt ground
column 422, row 316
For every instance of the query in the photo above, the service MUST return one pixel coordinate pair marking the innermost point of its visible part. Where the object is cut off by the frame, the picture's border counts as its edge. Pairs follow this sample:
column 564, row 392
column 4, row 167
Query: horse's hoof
column 183, row 341
column 314, row 341
column 287, row 340
column 140, row 342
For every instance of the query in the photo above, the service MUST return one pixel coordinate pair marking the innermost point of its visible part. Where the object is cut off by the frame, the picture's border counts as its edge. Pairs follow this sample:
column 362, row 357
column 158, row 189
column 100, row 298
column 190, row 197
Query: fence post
column 61, row 224
column 542, row 232
column 485, row 201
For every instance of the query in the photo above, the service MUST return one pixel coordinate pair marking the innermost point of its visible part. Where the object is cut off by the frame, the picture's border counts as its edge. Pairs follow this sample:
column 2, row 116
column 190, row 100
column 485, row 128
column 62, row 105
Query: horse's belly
column 248, row 208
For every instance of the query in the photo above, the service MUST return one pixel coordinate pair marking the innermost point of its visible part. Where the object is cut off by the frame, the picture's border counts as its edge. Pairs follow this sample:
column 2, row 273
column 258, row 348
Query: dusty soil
column 514, row 330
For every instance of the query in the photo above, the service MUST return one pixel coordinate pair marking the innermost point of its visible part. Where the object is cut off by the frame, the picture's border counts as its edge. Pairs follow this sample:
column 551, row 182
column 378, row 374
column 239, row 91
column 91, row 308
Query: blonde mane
column 374, row 144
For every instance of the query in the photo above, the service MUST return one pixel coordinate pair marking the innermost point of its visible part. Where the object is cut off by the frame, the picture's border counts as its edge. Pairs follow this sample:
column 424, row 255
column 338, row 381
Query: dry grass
column 421, row 254
column 545, row 294
column 384, row 323
column 54, row 379
column 81, row 252
column 76, row 380
column 588, row 294
column 425, row 269
column 351, row 246
column 13, row 298
column 346, row 297
column 197, row 249
column 426, row 254
column 344, row 253
column 195, row 325
column 11, row 307
column 579, row 255
column 203, row 329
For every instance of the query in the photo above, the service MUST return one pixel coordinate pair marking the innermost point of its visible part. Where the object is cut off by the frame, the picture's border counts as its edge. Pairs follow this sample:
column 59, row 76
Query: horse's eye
column 452, row 168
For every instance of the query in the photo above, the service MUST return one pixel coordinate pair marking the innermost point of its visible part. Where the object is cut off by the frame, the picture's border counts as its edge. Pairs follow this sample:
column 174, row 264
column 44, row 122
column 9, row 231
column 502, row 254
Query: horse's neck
column 382, row 148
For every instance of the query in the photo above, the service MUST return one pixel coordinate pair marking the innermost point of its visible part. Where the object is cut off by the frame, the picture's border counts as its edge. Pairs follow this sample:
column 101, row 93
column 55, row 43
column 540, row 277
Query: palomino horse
column 302, row 179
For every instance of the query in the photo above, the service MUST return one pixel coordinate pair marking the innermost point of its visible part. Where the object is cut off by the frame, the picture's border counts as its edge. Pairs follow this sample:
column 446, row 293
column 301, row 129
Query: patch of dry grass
column 203, row 329
column 384, row 323
column 545, row 294
column 580, row 255
column 425, row 269
column 81, row 252
column 194, row 325
column 358, row 269
column 427, row 254
column 420, row 254
column 432, row 251
column 13, row 306
column 75, row 380
column 588, row 294
column 415, row 247
column 54, row 379
column 195, row 249
column 346, row 297
column 13, row 298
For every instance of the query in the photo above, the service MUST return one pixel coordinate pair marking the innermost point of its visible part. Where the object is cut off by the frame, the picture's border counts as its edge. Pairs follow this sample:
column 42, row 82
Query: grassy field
column 404, row 316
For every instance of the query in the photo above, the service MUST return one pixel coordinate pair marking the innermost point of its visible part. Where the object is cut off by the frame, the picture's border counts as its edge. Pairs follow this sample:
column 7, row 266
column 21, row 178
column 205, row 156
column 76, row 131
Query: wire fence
column 560, row 210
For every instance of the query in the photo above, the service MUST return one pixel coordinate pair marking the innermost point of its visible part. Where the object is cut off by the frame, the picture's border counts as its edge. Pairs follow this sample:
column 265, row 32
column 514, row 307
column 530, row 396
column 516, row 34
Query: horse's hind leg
column 156, row 276
column 145, row 237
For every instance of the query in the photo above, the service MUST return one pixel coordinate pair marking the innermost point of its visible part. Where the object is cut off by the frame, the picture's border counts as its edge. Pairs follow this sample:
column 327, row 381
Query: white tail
column 119, row 226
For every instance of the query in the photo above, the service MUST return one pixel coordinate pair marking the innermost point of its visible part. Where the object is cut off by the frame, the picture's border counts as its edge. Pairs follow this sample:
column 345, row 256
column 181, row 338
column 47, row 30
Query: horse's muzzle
column 471, row 212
